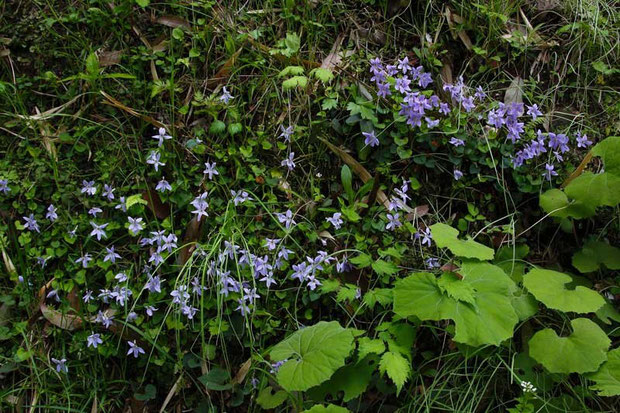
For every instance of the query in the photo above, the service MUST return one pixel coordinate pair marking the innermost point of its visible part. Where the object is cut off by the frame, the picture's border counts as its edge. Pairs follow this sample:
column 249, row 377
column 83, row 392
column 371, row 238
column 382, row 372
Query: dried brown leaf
column 110, row 58
column 243, row 371
column 174, row 22
column 192, row 233
column 333, row 59
column 223, row 73
column 113, row 102
column 155, row 204
column 514, row 93
column 453, row 18
column 417, row 212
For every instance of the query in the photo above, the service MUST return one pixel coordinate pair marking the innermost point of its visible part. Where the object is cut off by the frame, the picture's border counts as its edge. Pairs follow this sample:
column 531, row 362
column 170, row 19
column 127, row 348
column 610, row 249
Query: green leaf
column 382, row 296
column 555, row 203
column 269, row 400
column 581, row 352
column 92, row 64
column 397, row 368
column 217, row 127
column 362, row 260
column 607, row 378
column 295, row 82
column 216, row 379
column 135, row 199
column 324, row 75
column 489, row 320
column 549, row 287
column 150, row 392
column 292, row 42
column 607, row 313
column 143, row 3
column 594, row 190
column 330, row 408
column 314, row 354
column 291, row 71
column 456, row 288
column 234, row 128
column 352, row 380
column 384, row 267
column 593, row 254
column 446, row 237
column 368, row 345
column 177, row 33
column 347, row 180
column 609, row 151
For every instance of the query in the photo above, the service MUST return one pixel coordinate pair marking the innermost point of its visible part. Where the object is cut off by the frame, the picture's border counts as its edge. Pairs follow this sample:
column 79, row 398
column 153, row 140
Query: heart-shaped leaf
column 581, row 352
column 488, row 319
column 607, row 378
column 549, row 287
column 447, row 237
column 313, row 353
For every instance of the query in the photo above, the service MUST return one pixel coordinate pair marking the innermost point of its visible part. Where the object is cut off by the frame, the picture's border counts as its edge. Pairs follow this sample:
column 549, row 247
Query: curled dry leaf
column 454, row 19
column 173, row 21
column 243, row 371
column 417, row 212
column 110, row 58
column 65, row 321
column 223, row 73
column 514, row 93
column 192, row 233
column 109, row 100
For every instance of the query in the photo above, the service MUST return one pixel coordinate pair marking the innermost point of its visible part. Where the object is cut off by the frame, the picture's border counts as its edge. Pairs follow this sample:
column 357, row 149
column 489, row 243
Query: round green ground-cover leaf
column 609, row 151
column 607, row 378
column 447, row 237
column 595, row 253
column 549, row 287
column 595, row 190
column 581, row 352
column 489, row 319
column 314, row 354
column 268, row 400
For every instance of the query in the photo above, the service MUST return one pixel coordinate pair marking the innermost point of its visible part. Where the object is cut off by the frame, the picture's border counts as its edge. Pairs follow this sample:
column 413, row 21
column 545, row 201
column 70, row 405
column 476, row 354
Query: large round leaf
column 609, row 150
column 314, row 354
column 549, row 287
column 581, row 352
column 593, row 254
column 447, row 237
column 480, row 307
column 607, row 378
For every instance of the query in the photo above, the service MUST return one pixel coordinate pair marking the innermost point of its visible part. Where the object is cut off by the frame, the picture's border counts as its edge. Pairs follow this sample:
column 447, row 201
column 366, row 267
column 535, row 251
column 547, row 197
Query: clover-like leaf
column 447, row 237
column 581, row 352
column 549, row 287
column 593, row 254
column 489, row 319
column 314, row 354
column 607, row 377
